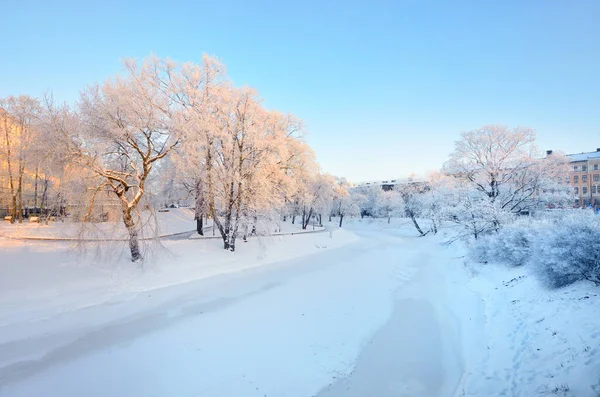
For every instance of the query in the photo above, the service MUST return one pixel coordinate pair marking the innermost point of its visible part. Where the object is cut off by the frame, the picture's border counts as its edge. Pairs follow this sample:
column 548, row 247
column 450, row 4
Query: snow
column 373, row 311
column 42, row 279
column 583, row 156
column 175, row 220
column 539, row 342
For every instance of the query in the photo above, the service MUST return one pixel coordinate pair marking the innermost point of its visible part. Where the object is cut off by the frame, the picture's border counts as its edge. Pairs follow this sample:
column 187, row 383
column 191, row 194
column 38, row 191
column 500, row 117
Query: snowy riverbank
column 374, row 310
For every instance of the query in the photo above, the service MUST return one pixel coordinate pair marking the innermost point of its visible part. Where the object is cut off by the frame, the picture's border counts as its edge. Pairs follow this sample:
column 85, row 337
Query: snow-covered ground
column 163, row 223
column 171, row 221
column 539, row 342
column 372, row 311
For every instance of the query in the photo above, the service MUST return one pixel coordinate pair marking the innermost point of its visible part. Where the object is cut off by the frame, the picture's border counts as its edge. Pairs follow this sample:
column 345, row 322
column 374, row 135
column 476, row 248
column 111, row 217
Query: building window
column 595, row 167
column 576, row 179
column 576, row 190
column 584, row 190
column 594, row 189
column 596, row 177
column 584, row 178
column 576, row 168
column 584, row 168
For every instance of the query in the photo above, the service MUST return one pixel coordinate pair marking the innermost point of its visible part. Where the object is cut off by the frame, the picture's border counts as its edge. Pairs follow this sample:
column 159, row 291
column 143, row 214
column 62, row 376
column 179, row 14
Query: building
column 584, row 177
column 389, row 184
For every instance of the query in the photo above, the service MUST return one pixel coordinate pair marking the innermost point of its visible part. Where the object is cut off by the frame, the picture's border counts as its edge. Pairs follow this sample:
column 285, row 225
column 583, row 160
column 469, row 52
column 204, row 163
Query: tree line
column 162, row 132
column 157, row 133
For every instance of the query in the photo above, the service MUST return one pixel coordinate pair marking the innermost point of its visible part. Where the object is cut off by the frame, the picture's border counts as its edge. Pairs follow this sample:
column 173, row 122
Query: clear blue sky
column 384, row 88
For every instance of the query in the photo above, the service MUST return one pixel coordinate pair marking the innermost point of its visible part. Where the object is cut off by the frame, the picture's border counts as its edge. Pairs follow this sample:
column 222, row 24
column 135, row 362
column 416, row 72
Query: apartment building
column 585, row 178
column 389, row 184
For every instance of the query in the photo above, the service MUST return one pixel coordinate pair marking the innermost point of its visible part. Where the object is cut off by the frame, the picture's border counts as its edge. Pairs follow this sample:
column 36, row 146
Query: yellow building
column 584, row 177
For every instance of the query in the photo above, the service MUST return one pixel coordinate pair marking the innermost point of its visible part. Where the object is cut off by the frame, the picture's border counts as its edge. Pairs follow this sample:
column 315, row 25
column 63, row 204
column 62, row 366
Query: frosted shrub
column 483, row 249
column 569, row 251
column 512, row 245
column 515, row 244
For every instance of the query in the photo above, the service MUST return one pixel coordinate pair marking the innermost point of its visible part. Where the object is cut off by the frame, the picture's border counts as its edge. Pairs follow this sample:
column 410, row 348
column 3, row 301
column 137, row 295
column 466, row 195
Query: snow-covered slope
column 382, row 314
column 539, row 342
column 166, row 222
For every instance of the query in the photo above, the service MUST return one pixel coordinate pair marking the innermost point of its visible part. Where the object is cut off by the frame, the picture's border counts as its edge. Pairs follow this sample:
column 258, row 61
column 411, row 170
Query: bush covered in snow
column 512, row 245
column 562, row 249
column 569, row 251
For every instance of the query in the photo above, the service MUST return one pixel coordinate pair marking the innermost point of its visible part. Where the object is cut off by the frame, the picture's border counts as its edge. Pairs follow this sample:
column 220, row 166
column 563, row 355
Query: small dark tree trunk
column 320, row 221
column 20, row 198
column 44, row 201
column 306, row 219
column 414, row 220
column 134, row 244
column 35, row 190
column 199, row 225
column 14, row 209
column 341, row 219
column 232, row 243
column 199, row 206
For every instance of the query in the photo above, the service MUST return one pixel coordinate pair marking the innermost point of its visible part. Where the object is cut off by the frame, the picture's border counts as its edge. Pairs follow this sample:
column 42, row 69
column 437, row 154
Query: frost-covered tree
column 126, row 127
column 391, row 204
column 411, row 194
column 19, row 119
column 432, row 200
column 373, row 198
column 505, row 167
column 346, row 201
column 209, row 139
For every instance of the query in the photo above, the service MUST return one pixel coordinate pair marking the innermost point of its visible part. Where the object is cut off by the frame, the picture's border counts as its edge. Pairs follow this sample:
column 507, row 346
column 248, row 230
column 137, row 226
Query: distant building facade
column 389, row 184
column 584, row 178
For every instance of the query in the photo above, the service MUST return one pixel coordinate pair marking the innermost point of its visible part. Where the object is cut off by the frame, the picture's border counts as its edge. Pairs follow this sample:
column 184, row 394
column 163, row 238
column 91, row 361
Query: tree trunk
column 10, row 175
column 232, row 239
column 222, row 231
column 341, row 219
column 414, row 220
column 44, row 202
column 200, row 225
column 199, row 207
column 134, row 244
column 35, row 190
column 20, row 195
column 306, row 219
column 13, row 217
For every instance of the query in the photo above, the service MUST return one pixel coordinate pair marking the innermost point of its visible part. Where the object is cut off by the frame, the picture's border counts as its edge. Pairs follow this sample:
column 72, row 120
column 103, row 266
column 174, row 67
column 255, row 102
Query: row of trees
column 160, row 133
column 494, row 174
column 163, row 132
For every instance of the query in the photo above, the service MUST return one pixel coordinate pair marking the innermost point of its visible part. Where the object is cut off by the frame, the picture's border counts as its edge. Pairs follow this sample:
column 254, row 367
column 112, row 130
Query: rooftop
column 396, row 181
column 584, row 156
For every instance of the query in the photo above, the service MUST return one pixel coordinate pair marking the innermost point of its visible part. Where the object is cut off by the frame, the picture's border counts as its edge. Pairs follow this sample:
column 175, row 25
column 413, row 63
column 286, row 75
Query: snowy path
column 370, row 319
